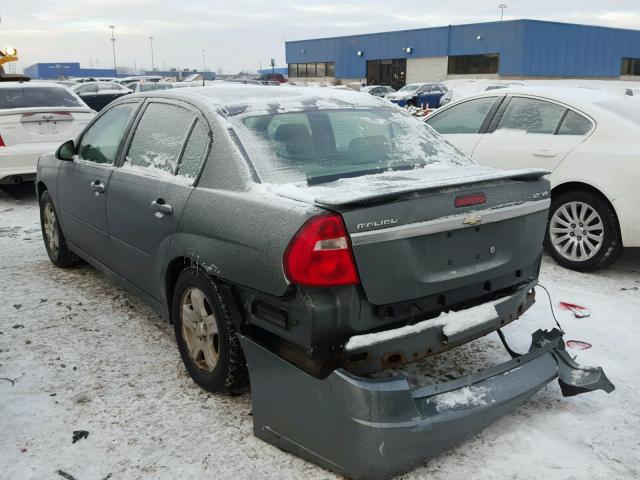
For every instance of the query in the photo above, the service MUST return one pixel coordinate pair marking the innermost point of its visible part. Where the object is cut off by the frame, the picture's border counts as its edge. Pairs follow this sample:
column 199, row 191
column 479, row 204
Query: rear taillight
column 2, row 144
column 469, row 200
column 320, row 254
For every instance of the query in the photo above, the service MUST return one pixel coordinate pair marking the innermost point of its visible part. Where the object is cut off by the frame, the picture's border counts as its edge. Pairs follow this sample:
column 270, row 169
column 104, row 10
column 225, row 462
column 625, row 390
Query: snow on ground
column 85, row 355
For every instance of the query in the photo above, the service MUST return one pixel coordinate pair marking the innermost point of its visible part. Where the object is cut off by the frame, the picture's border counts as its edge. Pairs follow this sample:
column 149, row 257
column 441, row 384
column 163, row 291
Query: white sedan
column 590, row 142
column 35, row 118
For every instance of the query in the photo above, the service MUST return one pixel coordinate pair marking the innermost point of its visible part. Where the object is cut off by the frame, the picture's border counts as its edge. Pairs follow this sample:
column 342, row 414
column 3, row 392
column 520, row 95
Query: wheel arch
column 176, row 266
column 585, row 187
column 40, row 188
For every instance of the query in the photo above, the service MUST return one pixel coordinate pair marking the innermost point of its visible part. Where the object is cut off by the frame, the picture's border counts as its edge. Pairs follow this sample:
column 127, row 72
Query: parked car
column 423, row 95
column 149, row 86
column 99, row 94
column 35, row 118
column 291, row 227
column 378, row 90
column 273, row 77
column 588, row 139
column 140, row 78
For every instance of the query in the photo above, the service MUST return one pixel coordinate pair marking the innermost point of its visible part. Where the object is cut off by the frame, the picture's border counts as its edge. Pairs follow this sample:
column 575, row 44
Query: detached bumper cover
column 377, row 428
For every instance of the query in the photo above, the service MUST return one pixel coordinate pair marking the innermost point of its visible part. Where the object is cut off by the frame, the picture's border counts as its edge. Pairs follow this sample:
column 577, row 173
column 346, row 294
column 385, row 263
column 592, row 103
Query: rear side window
column 159, row 137
column 100, row 142
column 574, row 124
column 28, row 97
column 195, row 151
column 465, row 117
column 531, row 115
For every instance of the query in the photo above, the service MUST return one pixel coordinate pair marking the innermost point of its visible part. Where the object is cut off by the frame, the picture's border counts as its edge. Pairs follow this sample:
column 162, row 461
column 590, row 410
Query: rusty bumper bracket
column 378, row 428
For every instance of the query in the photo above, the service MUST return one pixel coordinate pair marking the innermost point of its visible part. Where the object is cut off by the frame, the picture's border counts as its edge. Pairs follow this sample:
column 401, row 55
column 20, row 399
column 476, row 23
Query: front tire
column 582, row 232
column 54, row 240
column 206, row 336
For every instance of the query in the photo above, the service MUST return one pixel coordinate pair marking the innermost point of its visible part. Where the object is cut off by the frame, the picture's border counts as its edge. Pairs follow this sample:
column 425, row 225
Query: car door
column 83, row 183
column 462, row 124
column 150, row 188
column 531, row 132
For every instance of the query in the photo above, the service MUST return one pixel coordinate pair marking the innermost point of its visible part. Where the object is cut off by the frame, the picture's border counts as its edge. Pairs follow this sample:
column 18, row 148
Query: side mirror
column 66, row 151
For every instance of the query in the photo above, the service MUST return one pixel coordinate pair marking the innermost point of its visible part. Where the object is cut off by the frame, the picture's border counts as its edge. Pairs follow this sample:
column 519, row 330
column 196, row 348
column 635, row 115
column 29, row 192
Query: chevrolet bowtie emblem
column 472, row 219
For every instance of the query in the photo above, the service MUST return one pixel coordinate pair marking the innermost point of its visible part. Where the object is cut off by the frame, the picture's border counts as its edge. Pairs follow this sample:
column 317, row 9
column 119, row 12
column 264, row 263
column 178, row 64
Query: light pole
column 113, row 47
column 203, row 67
column 502, row 6
column 153, row 66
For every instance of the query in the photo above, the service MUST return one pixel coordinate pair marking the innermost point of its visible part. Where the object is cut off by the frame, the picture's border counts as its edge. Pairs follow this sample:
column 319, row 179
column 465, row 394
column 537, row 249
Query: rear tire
column 582, row 232
column 54, row 240
column 206, row 335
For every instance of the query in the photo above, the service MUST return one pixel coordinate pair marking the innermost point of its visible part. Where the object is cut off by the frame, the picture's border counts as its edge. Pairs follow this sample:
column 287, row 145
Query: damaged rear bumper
column 377, row 428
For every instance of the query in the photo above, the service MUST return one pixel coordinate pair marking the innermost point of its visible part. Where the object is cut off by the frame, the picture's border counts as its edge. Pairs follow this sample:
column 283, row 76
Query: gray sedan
column 317, row 236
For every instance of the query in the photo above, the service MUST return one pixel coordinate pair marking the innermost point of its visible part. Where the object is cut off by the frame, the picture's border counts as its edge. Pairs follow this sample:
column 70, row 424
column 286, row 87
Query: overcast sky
column 240, row 34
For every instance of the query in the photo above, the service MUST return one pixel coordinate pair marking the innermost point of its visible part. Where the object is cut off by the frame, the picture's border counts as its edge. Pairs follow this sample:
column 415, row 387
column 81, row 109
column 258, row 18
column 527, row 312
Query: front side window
column 531, row 115
column 574, row 124
column 101, row 141
column 465, row 117
column 317, row 145
column 159, row 137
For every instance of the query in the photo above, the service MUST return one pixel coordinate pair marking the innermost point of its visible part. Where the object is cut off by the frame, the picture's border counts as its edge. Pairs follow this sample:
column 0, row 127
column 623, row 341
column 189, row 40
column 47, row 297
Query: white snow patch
column 453, row 322
column 471, row 396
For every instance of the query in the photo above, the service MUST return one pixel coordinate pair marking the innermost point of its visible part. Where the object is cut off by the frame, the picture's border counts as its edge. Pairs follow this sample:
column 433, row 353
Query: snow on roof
column 260, row 99
column 30, row 84
column 575, row 96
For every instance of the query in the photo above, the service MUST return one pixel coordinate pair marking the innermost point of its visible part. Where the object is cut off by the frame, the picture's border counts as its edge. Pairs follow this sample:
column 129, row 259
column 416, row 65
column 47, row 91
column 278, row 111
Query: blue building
column 55, row 71
column 512, row 49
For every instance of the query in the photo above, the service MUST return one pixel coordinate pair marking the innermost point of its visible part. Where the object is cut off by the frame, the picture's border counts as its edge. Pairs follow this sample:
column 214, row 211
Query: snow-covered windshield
column 628, row 108
column 27, row 97
column 410, row 88
column 321, row 146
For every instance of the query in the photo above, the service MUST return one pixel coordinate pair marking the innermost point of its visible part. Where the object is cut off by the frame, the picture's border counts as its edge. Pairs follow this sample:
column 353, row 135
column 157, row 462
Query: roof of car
column 574, row 96
column 30, row 84
column 244, row 98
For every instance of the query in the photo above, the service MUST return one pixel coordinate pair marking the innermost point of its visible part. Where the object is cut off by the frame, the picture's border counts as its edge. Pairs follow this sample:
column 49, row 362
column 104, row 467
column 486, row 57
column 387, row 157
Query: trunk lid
column 42, row 125
column 411, row 241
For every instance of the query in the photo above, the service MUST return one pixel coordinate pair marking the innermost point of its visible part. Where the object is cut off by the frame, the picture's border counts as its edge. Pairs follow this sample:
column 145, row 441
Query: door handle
column 98, row 187
column 160, row 206
column 544, row 152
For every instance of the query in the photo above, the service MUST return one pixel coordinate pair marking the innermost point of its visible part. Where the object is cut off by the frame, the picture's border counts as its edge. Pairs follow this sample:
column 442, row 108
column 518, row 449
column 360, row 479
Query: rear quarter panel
column 240, row 237
column 608, row 161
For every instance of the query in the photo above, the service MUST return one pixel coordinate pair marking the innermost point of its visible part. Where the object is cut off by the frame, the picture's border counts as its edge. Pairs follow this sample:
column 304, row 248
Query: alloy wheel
column 199, row 329
column 50, row 227
column 576, row 231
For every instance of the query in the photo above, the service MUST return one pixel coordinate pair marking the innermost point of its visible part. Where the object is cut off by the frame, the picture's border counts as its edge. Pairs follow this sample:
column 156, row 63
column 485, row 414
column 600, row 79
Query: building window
column 631, row 66
column 319, row 69
column 473, row 64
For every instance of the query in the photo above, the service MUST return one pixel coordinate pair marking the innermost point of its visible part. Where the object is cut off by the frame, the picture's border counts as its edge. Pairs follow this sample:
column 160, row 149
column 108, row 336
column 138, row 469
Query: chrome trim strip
column 446, row 224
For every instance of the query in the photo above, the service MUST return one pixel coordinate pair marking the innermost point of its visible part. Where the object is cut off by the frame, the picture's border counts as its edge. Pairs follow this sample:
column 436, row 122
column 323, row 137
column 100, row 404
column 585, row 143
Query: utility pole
column 502, row 7
column 153, row 65
column 113, row 47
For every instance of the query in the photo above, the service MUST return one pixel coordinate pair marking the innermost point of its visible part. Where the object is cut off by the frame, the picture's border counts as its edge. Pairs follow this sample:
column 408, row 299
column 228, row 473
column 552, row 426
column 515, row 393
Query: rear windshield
column 27, row 97
column 628, row 108
column 320, row 146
